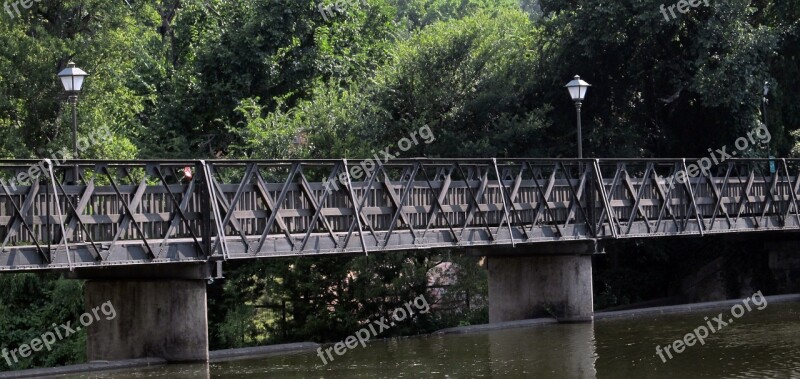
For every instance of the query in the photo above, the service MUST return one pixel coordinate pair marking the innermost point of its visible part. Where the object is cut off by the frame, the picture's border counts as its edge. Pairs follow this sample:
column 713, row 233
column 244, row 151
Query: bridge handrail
column 148, row 211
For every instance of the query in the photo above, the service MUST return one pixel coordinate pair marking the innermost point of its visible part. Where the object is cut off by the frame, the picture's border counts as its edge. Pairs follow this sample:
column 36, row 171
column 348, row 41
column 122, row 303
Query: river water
column 762, row 343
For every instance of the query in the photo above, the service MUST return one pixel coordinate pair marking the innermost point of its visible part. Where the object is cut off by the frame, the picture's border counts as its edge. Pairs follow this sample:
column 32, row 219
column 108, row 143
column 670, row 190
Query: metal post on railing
column 205, row 206
column 590, row 203
column 605, row 199
column 47, row 210
column 688, row 184
column 356, row 208
column 505, row 206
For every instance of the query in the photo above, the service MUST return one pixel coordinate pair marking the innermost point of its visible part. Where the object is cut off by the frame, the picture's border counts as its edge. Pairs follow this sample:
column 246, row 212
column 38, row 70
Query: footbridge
column 154, row 230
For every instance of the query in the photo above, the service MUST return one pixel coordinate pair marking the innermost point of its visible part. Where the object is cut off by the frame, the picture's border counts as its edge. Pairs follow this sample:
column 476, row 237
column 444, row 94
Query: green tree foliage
column 34, row 116
column 784, row 110
column 270, row 52
column 29, row 305
column 661, row 88
column 470, row 80
column 328, row 298
column 416, row 14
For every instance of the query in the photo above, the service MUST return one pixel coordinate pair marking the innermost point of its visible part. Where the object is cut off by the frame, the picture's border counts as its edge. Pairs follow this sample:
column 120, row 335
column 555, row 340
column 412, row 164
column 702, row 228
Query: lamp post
column 72, row 79
column 577, row 91
column 765, row 102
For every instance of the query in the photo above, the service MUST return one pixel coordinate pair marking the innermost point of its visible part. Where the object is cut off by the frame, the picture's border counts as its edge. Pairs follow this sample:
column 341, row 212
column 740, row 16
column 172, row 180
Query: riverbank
column 214, row 357
column 616, row 315
column 294, row 348
column 260, row 351
column 84, row 368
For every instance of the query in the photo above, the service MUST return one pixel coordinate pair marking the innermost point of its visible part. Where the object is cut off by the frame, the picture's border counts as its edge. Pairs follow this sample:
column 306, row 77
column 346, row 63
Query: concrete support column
column 155, row 317
column 533, row 286
column 784, row 262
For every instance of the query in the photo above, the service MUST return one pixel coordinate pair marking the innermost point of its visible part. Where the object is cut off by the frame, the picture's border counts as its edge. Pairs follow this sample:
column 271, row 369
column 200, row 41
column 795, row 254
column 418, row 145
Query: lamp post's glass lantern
column 577, row 88
column 577, row 91
column 72, row 78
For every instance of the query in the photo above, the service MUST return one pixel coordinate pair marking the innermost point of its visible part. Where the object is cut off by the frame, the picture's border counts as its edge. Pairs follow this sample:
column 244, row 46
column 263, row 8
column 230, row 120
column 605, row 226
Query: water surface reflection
column 760, row 344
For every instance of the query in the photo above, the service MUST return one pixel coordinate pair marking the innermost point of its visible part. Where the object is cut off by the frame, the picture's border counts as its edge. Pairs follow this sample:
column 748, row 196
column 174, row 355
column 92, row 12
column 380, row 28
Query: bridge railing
column 44, row 209
column 167, row 211
column 408, row 203
column 648, row 197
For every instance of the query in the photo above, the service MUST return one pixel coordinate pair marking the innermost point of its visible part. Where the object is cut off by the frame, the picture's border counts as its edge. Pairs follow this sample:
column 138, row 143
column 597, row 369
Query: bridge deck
column 151, row 212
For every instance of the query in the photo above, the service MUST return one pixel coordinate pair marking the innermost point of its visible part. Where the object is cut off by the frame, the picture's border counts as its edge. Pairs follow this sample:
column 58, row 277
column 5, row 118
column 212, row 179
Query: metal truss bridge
column 151, row 212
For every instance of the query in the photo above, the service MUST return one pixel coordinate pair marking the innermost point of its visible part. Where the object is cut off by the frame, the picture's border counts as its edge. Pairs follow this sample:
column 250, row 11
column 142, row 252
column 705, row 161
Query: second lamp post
column 577, row 91
column 72, row 79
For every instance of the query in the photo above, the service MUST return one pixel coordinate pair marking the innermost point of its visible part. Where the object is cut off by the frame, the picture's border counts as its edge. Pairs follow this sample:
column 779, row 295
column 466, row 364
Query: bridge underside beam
column 155, row 317
column 543, row 284
column 182, row 250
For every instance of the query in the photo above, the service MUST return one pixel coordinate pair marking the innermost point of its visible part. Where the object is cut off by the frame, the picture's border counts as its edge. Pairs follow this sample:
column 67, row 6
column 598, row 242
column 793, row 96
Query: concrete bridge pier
column 784, row 262
column 160, row 311
column 541, row 280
